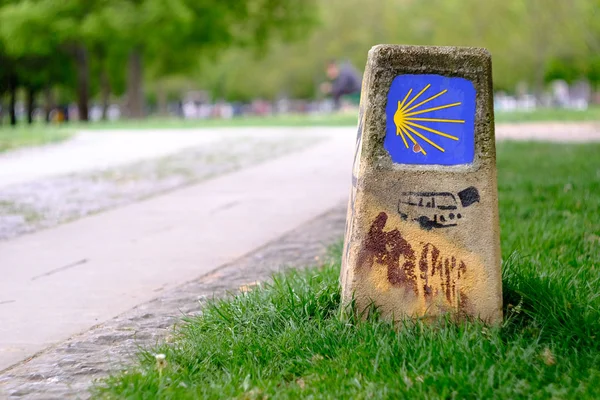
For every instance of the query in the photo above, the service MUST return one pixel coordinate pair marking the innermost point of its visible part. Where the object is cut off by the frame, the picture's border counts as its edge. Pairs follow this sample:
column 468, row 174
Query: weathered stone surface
column 422, row 238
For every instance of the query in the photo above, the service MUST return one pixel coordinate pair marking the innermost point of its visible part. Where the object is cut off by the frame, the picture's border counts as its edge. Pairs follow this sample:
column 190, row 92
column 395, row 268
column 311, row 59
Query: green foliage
column 593, row 70
column 524, row 37
column 564, row 69
column 243, row 49
column 173, row 36
column 285, row 339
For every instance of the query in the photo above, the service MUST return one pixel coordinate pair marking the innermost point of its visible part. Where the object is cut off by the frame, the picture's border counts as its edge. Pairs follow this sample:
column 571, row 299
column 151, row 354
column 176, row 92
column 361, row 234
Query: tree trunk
column 135, row 95
column 83, row 82
column 48, row 103
column 104, row 93
column 161, row 98
column 30, row 106
column 12, row 89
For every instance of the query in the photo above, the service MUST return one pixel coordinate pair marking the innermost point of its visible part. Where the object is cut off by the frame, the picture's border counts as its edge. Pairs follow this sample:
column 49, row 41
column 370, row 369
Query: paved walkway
column 96, row 150
column 577, row 132
column 92, row 150
column 64, row 280
column 45, row 203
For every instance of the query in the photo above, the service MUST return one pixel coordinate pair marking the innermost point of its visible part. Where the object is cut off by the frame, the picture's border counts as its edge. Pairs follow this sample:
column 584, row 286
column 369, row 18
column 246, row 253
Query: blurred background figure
column 344, row 85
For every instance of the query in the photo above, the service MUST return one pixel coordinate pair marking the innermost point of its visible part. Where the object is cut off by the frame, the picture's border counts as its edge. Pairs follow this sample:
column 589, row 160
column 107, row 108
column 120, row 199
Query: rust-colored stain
column 448, row 268
column 431, row 271
column 390, row 248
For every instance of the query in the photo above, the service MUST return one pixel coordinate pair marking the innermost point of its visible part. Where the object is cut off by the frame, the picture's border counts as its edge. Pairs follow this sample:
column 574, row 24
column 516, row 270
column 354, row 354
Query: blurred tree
column 171, row 35
column 589, row 20
column 567, row 69
column 524, row 38
column 8, row 86
column 242, row 49
column 41, row 30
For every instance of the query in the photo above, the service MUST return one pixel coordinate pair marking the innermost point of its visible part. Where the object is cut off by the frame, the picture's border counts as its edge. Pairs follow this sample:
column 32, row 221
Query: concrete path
column 92, row 150
column 96, row 150
column 577, row 132
column 62, row 281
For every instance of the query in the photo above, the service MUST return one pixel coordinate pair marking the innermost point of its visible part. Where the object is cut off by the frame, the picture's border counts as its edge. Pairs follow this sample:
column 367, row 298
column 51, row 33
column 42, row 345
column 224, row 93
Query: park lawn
column 288, row 120
column 28, row 136
column 285, row 339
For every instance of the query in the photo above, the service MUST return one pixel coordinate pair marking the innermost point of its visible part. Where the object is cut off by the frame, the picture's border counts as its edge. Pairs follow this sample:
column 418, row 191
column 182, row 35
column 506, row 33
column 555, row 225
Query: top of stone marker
column 387, row 62
column 448, row 59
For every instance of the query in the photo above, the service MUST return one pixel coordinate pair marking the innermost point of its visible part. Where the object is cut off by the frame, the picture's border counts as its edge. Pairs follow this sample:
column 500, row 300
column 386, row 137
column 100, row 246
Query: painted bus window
column 430, row 120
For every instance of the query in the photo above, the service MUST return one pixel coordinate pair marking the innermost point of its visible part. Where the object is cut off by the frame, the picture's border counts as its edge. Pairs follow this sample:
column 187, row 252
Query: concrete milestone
column 422, row 234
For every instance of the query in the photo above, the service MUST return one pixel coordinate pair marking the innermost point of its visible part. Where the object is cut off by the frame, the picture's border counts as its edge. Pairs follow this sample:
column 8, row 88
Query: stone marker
column 422, row 235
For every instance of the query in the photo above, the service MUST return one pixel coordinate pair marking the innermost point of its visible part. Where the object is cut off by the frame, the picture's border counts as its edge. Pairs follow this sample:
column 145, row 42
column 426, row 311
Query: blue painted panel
column 430, row 120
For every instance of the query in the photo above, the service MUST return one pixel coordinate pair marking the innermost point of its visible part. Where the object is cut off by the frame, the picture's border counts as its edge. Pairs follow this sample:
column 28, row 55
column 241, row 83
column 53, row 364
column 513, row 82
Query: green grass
column 295, row 120
column 286, row 339
column 28, row 136
column 345, row 119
